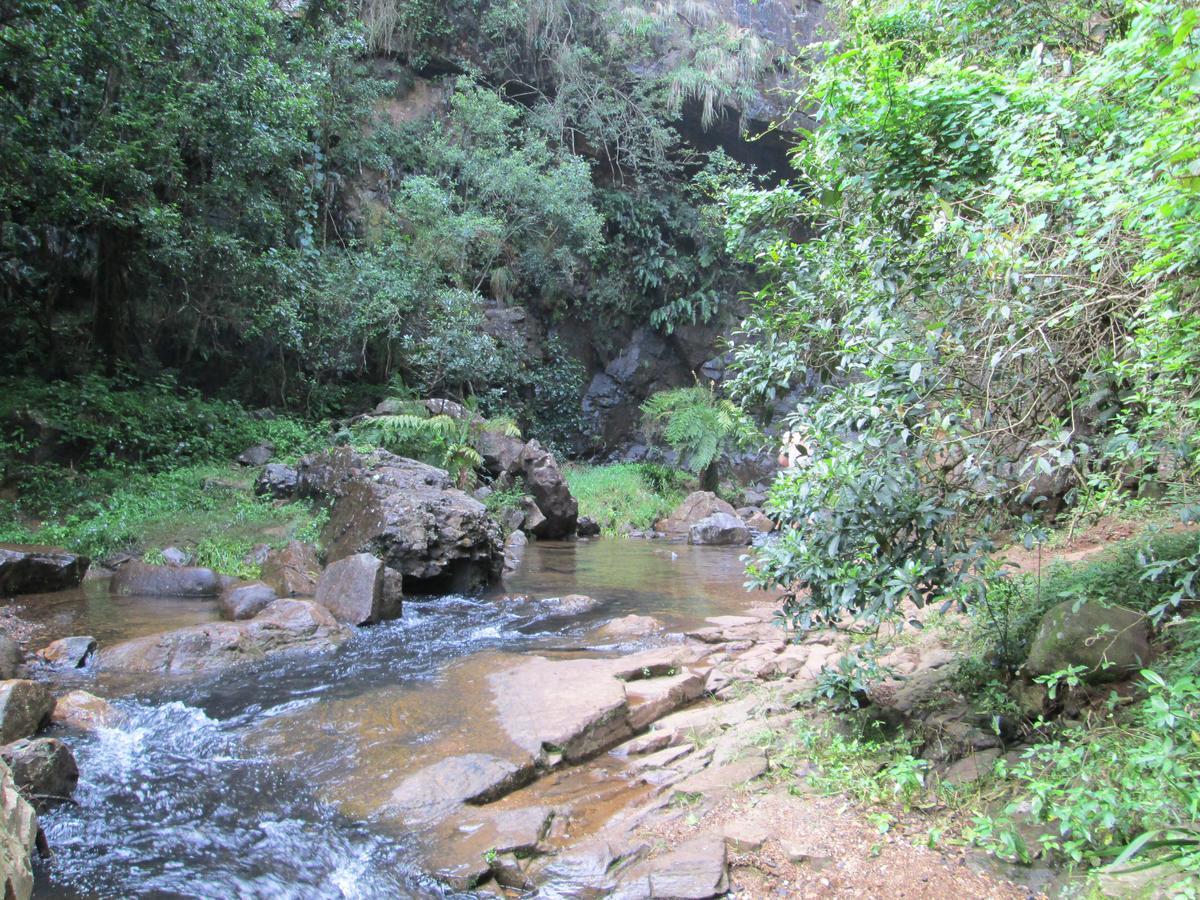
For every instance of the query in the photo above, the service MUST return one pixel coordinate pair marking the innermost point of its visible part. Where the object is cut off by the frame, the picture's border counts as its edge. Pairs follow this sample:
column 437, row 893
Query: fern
column 700, row 425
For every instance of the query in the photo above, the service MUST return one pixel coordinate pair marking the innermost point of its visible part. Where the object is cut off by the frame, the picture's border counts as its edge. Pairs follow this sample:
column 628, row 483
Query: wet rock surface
column 43, row 769
column 83, row 711
column 277, row 481
column 407, row 514
column 246, row 600
column 136, row 577
column 69, row 652
column 25, row 706
column 285, row 625
column 34, row 569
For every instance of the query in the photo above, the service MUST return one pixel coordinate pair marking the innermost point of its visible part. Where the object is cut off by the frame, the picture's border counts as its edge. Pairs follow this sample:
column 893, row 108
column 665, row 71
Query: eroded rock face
column 18, row 837
column 285, row 625
column 698, row 505
column 719, row 530
column 1110, row 641
column 292, row 570
column 43, row 769
column 352, row 589
column 69, row 652
column 33, row 569
column 407, row 514
column 550, row 492
column 24, row 707
column 246, row 600
column 139, row 578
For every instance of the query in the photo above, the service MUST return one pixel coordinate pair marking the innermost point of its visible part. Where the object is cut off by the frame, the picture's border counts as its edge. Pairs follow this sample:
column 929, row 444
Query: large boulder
column 25, row 706
column 352, row 589
column 719, row 530
column 44, row 770
column 245, row 600
column 139, row 578
column 1111, row 642
column 697, row 506
column 406, row 513
column 501, row 452
column 285, row 625
column 292, row 570
column 83, row 711
column 549, row 489
column 32, row 569
column 258, row 455
column 18, row 838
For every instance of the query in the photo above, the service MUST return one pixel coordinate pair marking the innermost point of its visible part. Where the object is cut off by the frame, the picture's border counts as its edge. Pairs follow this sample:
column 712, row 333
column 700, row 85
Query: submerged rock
column 1110, row 641
column 69, row 652
column 246, row 600
column 33, row 569
column 352, row 589
column 719, row 530
column 25, row 707
column 18, row 838
column 406, row 513
column 698, row 505
column 139, row 578
column 285, row 625
column 43, row 769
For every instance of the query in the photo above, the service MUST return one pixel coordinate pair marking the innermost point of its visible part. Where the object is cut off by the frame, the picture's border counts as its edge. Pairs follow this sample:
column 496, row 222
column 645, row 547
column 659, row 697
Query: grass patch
column 626, row 495
column 208, row 509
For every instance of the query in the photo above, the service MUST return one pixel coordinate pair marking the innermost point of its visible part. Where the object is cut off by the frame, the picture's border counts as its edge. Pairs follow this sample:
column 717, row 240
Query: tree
column 701, row 426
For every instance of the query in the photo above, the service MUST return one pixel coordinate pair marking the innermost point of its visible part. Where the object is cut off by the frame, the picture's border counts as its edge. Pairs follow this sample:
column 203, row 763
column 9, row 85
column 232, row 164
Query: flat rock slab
column 34, row 569
column 717, row 779
column 574, row 707
column 285, row 625
column 652, row 698
column 436, row 791
column 696, row 870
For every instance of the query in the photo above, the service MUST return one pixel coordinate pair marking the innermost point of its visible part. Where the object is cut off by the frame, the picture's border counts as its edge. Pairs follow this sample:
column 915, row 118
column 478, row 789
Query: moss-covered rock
column 1110, row 641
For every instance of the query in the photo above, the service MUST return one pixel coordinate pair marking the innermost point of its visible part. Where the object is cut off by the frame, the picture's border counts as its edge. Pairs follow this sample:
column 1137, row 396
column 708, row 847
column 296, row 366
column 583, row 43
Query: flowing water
column 263, row 781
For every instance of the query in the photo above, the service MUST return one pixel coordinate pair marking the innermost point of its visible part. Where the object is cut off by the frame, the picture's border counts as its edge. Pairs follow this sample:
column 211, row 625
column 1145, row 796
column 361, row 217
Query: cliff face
column 625, row 358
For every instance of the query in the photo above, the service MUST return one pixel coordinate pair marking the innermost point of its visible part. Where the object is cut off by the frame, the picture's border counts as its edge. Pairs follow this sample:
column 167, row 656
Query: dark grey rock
column 34, row 569
column 43, row 769
column 352, row 589
column 258, row 455
column 276, row 480
column 69, row 652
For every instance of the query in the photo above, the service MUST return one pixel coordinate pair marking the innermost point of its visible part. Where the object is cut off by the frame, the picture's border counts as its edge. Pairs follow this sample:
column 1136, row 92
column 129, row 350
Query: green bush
column 634, row 495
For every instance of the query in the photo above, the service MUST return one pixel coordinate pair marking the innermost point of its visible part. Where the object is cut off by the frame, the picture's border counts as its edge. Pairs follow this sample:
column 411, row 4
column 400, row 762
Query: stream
column 266, row 780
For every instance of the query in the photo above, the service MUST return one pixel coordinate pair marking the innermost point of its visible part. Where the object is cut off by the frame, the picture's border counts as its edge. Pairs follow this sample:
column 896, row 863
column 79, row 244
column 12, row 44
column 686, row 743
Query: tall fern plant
column 702, row 426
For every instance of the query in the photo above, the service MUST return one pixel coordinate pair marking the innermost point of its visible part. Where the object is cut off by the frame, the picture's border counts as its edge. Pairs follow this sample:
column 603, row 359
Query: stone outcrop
column 352, row 589
column 245, row 600
column 554, row 513
column 18, row 838
column 698, row 505
column 43, row 769
column 141, row 579
column 286, row 625
column 69, row 652
column 25, row 706
column 292, row 570
column 719, row 530
column 550, row 492
column 407, row 514
column 33, row 569
column 1110, row 641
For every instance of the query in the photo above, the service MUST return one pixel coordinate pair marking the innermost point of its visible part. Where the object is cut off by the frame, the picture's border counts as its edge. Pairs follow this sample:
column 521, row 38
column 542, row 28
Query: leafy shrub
column 701, row 426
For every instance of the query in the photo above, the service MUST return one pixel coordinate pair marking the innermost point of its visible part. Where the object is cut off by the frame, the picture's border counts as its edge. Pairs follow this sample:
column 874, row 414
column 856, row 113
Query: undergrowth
column 626, row 494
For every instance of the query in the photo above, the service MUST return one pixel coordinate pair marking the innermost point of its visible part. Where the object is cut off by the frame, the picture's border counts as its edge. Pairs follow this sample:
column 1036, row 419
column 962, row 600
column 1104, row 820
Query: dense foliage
column 1000, row 304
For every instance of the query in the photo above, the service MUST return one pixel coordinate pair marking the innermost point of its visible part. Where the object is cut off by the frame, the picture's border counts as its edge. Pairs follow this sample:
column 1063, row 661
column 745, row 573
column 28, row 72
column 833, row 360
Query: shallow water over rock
column 280, row 778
